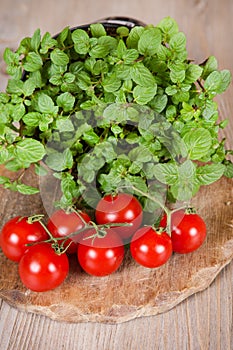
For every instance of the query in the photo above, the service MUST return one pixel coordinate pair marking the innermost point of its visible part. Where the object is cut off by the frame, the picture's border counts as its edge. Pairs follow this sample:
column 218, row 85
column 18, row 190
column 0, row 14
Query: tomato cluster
column 42, row 251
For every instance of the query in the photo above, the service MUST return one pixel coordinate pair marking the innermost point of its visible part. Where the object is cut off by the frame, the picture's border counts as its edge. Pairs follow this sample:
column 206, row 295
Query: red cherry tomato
column 150, row 248
column 17, row 233
column 100, row 256
column 188, row 231
column 62, row 224
column 122, row 208
column 42, row 269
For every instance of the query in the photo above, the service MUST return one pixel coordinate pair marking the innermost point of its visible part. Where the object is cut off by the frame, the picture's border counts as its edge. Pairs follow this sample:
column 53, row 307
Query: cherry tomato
column 61, row 224
column 151, row 248
column 121, row 208
column 188, row 231
column 17, row 233
column 42, row 269
column 100, row 256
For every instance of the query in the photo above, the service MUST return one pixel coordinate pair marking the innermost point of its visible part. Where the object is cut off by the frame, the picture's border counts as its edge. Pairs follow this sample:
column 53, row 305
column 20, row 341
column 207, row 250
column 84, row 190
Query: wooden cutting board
column 133, row 291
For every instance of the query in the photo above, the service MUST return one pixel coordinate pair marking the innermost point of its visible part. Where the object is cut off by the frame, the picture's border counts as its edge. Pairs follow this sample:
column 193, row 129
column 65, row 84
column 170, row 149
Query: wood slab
column 133, row 291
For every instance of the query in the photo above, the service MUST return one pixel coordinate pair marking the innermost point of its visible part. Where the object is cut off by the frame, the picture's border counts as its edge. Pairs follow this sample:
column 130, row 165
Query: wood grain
column 202, row 321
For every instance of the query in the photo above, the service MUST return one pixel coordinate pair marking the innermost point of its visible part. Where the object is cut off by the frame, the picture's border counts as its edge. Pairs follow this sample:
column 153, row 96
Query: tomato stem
column 144, row 194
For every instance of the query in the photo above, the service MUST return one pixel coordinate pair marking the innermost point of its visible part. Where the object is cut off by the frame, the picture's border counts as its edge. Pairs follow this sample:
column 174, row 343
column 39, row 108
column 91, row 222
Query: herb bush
column 110, row 111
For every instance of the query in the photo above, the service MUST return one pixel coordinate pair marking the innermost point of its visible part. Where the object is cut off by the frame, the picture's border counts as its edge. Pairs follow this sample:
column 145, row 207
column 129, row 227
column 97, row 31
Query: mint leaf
column 46, row 104
column 33, row 62
column 47, row 42
column 97, row 30
column 210, row 65
column 81, row 41
column 59, row 161
column 66, row 101
column 198, row 142
column 35, row 40
column 25, row 189
column 134, row 36
column 166, row 173
column 168, row 26
column 193, row 73
column 29, row 151
column 186, row 186
column 142, row 95
column 59, row 57
column 209, row 173
column 141, row 75
column 149, row 41
column 111, row 83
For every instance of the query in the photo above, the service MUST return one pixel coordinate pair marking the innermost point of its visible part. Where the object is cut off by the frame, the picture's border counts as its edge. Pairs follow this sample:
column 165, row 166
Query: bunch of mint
column 110, row 111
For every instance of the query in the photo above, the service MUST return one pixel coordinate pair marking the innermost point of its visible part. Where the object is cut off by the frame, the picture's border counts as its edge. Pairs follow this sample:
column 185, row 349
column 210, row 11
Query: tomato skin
column 122, row 208
column 17, row 233
column 61, row 224
column 188, row 231
column 42, row 269
column 150, row 248
column 101, row 256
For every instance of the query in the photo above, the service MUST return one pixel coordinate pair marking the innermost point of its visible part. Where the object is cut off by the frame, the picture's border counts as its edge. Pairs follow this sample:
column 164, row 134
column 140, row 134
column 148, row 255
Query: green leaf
column 158, row 103
column 29, row 150
column 209, row 173
column 63, row 35
column 64, row 124
column 25, row 189
column 193, row 73
column 35, row 40
column 81, row 41
column 29, row 87
column 47, row 42
column 66, row 101
column 32, row 118
column 60, row 161
column 228, row 169
column 59, row 57
column 33, row 62
column 186, row 186
column 130, row 56
column 168, row 26
column 141, row 75
column 210, row 65
column 218, row 81
column 166, row 173
column 40, row 170
column 10, row 57
column 15, row 86
column 121, row 48
column 46, row 104
column 142, row 95
column 140, row 154
column 97, row 30
column 122, row 31
column 213, row 82
column 149, row 41
column 198, row 142
column 18, row 112
column 178, row 42
column 134, row 36
column 111, row 83
column 91, row 137
column 226, row 80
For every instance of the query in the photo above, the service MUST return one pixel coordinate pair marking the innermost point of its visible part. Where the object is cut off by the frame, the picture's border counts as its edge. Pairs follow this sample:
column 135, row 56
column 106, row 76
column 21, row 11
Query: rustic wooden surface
column 202, row 321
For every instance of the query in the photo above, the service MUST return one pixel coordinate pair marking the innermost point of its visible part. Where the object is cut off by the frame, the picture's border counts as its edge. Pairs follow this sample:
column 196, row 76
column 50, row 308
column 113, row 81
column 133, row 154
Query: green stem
column 162, row 206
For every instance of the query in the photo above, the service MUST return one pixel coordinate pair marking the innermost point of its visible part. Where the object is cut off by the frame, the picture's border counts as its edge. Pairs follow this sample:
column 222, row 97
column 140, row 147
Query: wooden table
column 204, row 320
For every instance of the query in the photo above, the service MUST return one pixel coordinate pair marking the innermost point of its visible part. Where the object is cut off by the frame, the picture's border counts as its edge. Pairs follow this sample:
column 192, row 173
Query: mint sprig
column 110, row 111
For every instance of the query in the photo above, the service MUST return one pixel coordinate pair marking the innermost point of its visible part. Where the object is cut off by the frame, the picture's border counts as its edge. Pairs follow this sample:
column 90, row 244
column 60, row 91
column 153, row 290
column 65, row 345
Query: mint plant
column 106, row 111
